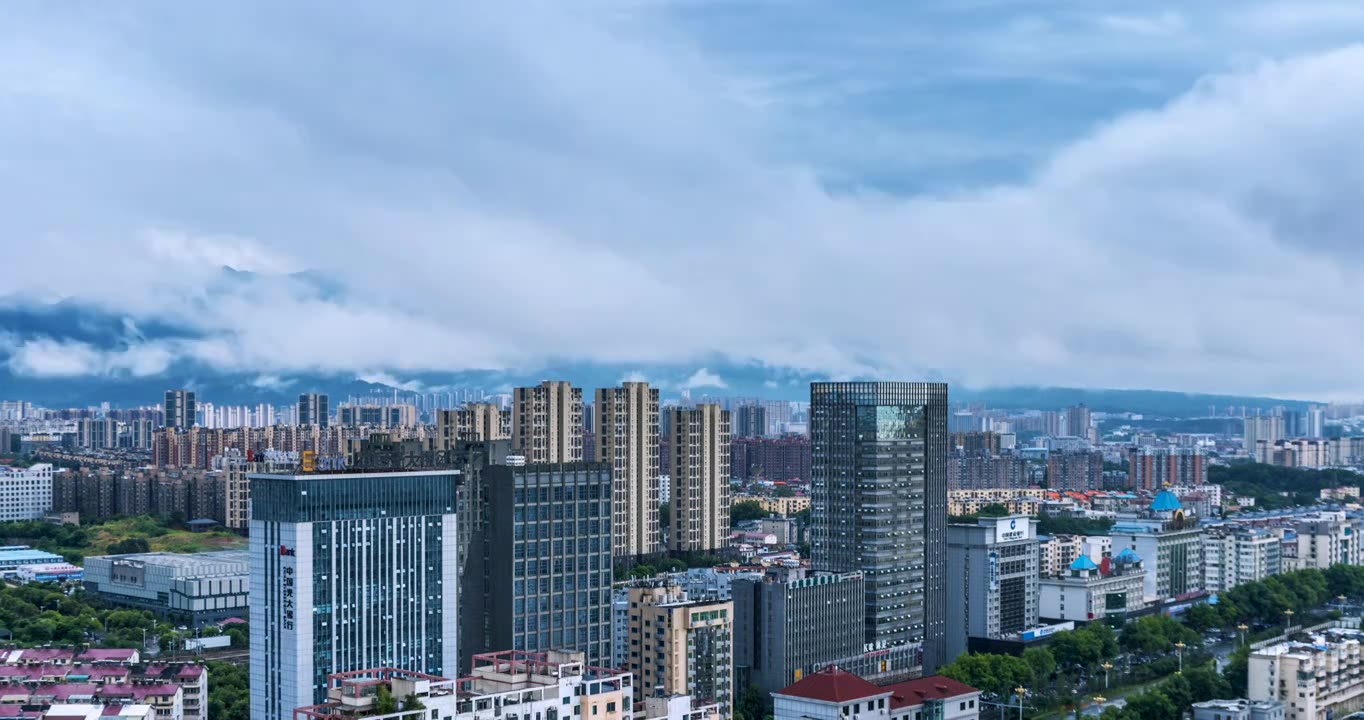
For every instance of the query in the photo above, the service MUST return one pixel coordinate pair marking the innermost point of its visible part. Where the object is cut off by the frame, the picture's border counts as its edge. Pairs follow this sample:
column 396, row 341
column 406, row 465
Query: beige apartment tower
column 684, row 647
column 627, row 440
column 547, row 422
column 699, row 443
column 475, row 421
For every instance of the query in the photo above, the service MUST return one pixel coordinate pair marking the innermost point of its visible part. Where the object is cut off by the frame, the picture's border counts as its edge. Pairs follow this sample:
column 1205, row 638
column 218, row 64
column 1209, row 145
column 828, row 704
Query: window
column 963, row 706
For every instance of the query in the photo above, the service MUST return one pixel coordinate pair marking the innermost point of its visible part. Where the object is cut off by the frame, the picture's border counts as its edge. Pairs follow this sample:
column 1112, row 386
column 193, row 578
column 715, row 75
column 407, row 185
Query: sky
column 995, row 192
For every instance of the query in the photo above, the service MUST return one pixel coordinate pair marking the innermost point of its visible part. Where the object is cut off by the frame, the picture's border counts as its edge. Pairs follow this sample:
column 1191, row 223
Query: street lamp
column 1243, row 628
column 1108, row 667
column 1288, row 622
column 1180, row 647
column 1020, row 691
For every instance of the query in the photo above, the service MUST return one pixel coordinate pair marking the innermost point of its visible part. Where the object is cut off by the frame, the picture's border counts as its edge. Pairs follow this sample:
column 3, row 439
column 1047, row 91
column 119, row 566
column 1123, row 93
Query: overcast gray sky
column 1110, row 194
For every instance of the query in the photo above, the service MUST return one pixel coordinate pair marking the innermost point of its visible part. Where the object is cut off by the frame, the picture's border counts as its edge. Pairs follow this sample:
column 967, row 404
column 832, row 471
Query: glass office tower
column 879, row 504
column 349, row 571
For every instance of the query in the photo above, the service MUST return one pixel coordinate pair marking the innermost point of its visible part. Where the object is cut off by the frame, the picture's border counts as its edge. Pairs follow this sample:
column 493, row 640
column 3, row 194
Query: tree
column 384, row 702
column 1150, row 705
column 785, row 491
column 746, row 510
column 128, row 546
column 993, row 510
column 754, row 704
column 1042, row 662
column 1237, row 672
column 412, row 702
column 229, row 697
column 998, row 674
column 1205, row 683
column 1202, row 618
column 665, row 515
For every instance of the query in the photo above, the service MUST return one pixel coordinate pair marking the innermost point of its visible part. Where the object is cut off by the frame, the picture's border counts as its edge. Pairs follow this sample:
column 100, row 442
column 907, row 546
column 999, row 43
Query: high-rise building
column 682, row 646
column 180, row 408
column 1268, row 428
column 879, row 504
column 1075, row 470
column 314, row 409
column 699, row 441
column 1153, row 469
column 547, row 422
column 992, row 567
column 627, row 439
column 750, row 421
column 475, row 421
column 1078, row 421
column 349, row 571
column 539, row 572
column 25, row 493
column 789, row 622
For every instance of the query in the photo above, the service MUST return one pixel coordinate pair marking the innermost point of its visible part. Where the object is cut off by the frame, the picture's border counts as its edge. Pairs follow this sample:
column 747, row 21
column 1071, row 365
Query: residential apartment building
column 627, row 440
column 683, row 646
column 971, row 471
column 879, row 504
column 1057, row 552
column 788, row 621
column 1026, row 501
column 777, row 505
column 1153, row 469
column 475, row 421
column 1239, row 709
column 547, row 422
column 699, row 440
column 1321, row 540
column 993, row 569
column 1315, row 680
column 94, row 683
column 1267, row 429
column 349, row 571
column 780, row 459
column 1075, row 470
column 1234, row 555
column 750, row 421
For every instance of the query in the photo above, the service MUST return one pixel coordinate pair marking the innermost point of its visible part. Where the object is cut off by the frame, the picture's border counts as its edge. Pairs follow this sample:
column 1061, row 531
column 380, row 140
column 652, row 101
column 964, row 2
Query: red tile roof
column 832, row 685
column 935, row 687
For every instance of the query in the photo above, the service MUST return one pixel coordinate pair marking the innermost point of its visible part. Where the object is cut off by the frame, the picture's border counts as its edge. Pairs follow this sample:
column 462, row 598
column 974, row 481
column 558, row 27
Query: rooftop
column 936, row 687
column 832, row 685
column 218, row 562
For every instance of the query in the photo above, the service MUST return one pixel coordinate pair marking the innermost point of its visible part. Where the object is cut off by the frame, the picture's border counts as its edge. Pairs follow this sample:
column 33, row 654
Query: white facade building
column 1314, row 680
column 349, row 571
column 25, row 493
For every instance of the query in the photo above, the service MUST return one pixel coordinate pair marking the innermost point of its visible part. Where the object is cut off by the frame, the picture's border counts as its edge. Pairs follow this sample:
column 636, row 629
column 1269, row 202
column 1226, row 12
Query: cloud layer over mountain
column 508, row 185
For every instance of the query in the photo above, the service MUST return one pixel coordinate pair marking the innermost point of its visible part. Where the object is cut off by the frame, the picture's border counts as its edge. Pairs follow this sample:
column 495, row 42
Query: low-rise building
column 1170, row 544
column 1087, row 592
column 13, row 557
column 790, row 505
column 1315, row 680
column 50, row 572
column 58, row 680
column 198, row 588
column 1240, row 709
column 833, row 694
column 1019, row 501
column 554, row 685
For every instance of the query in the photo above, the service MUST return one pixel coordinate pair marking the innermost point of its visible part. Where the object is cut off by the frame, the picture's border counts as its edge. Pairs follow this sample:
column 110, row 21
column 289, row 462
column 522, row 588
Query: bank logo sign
column 1012, row 529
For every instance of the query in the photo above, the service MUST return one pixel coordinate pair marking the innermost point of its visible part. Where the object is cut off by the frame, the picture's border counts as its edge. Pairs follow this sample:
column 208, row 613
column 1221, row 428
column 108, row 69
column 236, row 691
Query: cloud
column 502, row 189
column 272, row 382
column 704, row 378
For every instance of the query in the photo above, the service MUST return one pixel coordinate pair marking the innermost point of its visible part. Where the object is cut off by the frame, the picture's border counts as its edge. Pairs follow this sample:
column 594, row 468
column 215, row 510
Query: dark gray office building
column 788, row 623
column 879, row 504
column 180, row 408
column 539, row 570
column 750, row 421
column 314, row 409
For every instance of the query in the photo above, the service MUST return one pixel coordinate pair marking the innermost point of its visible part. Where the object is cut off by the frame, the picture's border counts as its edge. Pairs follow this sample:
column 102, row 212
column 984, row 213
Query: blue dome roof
column 1128, row 556
column 1083, row 563
column 1166, row 502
